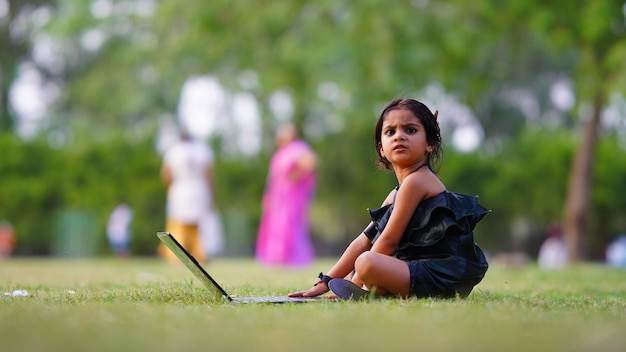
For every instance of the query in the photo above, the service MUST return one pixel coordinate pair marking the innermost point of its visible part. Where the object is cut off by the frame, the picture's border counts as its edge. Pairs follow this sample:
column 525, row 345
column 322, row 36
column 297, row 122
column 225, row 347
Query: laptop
column 216, row 291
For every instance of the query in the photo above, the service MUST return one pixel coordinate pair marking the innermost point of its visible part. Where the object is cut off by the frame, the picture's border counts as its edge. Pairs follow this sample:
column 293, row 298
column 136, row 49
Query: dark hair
column 428, row 120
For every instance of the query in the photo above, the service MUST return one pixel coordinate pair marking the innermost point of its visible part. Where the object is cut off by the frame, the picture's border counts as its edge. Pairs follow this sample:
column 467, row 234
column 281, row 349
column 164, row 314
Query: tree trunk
column 6, row 121
column 578, row 195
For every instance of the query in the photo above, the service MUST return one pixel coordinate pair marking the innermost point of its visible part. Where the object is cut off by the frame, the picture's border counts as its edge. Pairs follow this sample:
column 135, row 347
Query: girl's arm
column 341, row 269
column 414, row 189
column 345, row 264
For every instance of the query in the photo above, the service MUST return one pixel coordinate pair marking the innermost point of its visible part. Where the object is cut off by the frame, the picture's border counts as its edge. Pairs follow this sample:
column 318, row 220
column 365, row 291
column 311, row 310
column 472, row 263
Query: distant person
column 616, row 252
column 553, row 252
column 420, row 242
column 283, row 235
column 7, row 239
column 187, row 172
column 118, row 229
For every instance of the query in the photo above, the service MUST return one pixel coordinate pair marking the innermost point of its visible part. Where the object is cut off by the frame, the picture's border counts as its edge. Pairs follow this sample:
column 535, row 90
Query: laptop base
column 216, row 291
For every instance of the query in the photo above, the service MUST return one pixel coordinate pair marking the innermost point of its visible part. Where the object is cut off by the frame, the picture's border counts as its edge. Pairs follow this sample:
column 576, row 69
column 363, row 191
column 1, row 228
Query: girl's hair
column 428, row 120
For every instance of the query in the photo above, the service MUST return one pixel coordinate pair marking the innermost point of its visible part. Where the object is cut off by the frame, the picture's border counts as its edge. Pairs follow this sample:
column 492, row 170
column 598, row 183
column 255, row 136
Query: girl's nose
column 399, row 135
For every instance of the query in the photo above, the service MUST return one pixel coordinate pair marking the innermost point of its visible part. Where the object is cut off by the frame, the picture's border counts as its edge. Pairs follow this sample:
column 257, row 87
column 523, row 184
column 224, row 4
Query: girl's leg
column 387, row 274
column 354, row 278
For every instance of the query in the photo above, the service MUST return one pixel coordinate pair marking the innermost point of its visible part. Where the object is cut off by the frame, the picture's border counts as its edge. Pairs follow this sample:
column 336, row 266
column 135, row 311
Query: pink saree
column 283, row 236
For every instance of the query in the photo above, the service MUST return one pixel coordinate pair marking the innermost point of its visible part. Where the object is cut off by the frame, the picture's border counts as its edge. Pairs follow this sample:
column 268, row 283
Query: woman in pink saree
column 283, row 237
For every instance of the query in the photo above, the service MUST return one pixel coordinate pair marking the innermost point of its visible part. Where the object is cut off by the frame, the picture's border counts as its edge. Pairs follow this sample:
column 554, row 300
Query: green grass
column 149, row 305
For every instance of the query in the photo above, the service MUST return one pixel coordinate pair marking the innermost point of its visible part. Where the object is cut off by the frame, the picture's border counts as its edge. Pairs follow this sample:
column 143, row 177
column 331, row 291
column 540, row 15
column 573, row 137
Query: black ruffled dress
column 438, row 244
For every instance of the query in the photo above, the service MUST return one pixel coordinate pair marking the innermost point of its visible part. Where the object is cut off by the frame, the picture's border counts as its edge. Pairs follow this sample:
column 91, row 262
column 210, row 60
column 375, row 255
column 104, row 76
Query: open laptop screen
column 192, row 264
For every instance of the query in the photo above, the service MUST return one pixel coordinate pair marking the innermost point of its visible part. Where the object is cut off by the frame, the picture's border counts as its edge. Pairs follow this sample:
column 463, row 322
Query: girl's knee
column 365, row 264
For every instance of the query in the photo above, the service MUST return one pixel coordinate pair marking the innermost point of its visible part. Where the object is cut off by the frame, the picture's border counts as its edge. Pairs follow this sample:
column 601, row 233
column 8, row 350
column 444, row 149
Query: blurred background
column 531, row 100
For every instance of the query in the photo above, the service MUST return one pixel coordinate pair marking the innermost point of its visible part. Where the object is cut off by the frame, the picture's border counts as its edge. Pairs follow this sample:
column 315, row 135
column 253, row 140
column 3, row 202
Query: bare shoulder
column 423, row 183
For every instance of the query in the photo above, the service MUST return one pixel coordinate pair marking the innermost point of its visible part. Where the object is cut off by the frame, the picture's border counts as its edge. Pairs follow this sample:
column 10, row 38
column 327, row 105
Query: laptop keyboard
column 273, row 299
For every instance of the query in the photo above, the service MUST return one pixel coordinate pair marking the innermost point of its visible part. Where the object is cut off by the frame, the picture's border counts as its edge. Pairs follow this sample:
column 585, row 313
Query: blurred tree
column 534, row 40
column 123, row 63
column 597, row 32
column 15, row 48
column 105, row 52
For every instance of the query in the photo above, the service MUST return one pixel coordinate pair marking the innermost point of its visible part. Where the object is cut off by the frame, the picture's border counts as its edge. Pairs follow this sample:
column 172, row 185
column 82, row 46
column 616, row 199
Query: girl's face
column 403, row 139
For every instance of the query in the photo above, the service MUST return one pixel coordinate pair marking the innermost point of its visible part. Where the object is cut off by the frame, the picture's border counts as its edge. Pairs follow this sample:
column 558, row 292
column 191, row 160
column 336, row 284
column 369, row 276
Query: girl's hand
column 318, row 289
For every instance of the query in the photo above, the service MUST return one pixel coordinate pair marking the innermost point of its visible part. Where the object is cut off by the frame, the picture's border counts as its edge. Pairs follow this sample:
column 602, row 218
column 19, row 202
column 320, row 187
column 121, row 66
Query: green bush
column 524, row 184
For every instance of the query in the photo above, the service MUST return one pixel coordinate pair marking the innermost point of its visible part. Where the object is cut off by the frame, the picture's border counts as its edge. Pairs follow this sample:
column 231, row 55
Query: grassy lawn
column 149, row 305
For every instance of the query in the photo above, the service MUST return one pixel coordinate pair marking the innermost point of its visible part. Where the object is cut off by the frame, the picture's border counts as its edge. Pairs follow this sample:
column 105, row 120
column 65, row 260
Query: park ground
column 144, row 304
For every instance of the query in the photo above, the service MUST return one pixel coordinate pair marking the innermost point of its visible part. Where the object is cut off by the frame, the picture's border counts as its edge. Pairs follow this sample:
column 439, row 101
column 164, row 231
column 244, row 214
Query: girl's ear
column 430, row 148
column 380, row 151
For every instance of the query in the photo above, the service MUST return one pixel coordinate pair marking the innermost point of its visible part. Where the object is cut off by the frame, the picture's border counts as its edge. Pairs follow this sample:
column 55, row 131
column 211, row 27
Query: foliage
column 16, row 42
column 39, row 184
column 523, row 182
column 304, row 48
column 121, row 65
column 608, row 202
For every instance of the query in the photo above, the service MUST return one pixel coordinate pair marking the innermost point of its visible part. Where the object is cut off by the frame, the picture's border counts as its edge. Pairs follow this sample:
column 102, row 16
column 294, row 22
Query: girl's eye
column 388, row 132
column 411, row 130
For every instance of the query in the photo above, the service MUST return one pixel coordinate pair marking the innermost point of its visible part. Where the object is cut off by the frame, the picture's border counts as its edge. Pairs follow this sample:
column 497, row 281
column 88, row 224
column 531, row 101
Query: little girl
column 420, row 242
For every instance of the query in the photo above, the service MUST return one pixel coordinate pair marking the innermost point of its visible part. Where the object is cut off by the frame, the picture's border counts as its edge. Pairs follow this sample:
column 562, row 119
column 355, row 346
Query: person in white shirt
column 187, row 172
